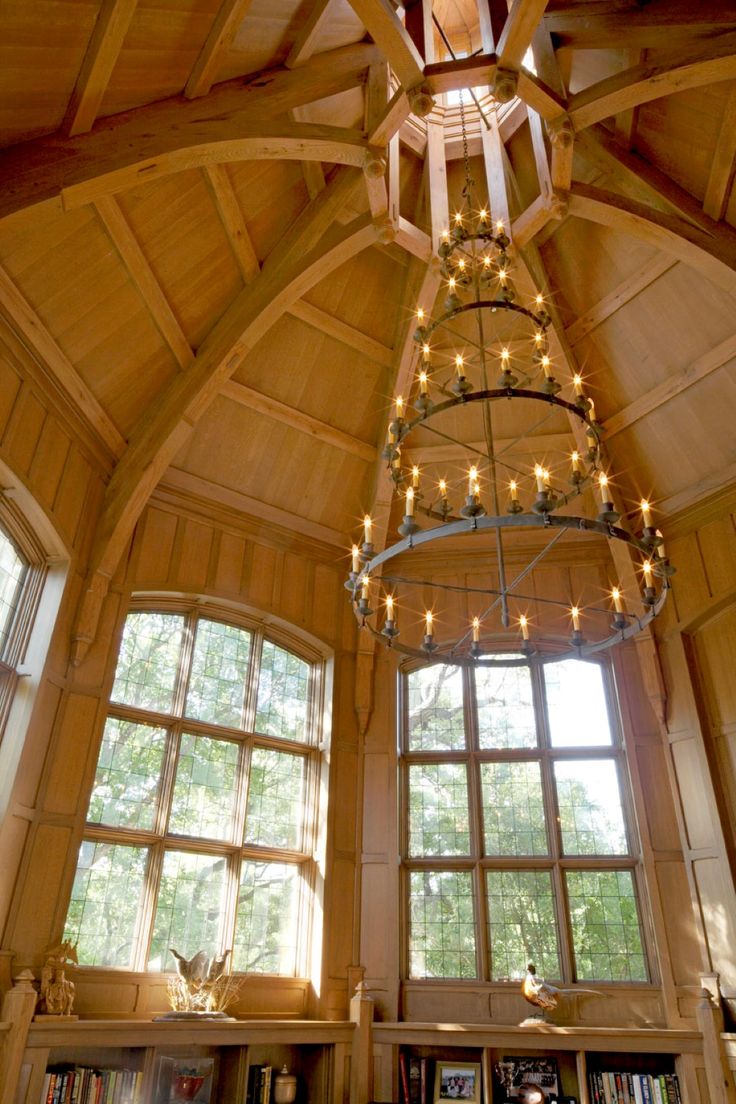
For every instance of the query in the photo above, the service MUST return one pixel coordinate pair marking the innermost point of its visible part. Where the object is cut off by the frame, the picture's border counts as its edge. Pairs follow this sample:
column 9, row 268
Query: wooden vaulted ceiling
column 217, row 216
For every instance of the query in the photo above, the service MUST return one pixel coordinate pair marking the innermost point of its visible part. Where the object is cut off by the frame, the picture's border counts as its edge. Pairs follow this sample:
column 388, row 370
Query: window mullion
column 144, row 933
column 251, row 682
column 168, row 776
column 564, row 924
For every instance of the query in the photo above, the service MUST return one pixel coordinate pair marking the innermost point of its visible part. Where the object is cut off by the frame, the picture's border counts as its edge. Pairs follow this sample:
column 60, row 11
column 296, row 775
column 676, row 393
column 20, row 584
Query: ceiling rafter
column 233, row 221
column 392, row 38
column 518, row 31
column 228, row 19
column 305, row 41
column 341, row 331
column 172, row 130
column 142, row 275
column 622, row 294
column 610, row 25
column 103, row 50
column 722, row 167
column 303, row 258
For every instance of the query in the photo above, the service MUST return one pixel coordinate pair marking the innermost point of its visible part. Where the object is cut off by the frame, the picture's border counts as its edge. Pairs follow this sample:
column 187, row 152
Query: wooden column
column 17, row 1010
column 709, row 1015
column 361, row 1013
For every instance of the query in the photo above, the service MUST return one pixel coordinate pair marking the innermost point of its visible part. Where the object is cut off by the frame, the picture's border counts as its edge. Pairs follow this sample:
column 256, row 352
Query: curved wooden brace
column 651, row 80
column 162, row 432
column 708, row 254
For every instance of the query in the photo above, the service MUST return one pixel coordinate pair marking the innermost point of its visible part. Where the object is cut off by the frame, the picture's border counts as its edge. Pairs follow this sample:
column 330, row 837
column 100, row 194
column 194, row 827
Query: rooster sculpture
column 544, row 996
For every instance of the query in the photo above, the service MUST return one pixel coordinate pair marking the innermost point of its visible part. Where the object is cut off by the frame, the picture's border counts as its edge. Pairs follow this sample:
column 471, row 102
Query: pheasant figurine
column 544, row 996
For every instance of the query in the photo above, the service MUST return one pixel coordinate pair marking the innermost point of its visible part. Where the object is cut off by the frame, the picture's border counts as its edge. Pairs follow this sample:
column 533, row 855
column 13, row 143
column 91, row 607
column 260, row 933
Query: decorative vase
column 284, row 1087
column 187, row 1085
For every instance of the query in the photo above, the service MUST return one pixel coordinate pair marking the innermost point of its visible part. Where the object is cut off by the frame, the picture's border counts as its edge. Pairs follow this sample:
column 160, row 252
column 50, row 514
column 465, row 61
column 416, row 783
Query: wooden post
column 18, row 1007
column 709, row 1015
column 361, row 1013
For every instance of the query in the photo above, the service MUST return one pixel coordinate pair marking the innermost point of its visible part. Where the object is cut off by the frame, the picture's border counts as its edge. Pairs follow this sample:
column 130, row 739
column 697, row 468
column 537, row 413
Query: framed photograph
column 530, row 1075
column 457, row 1081
column 185, row 1080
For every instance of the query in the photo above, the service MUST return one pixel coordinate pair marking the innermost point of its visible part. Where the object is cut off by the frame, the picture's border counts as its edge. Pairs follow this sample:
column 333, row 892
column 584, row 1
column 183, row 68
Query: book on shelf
column 619, row 1087
column 87, row 1085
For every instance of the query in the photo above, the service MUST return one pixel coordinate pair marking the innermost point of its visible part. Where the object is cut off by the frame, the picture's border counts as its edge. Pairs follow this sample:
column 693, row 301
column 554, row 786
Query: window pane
column 505, row 707
column 218, row 675
column 589, row 800
column 438, row 809
column 283, row 694
column 205, row 787
column 513, row 809
column 442, row 926
column 436, row 720
column 104, row 906
column 189, row 907
column 12, row 573
column 148, row 661
column 576, row 704
column 126, row 787
column 605, row 926
column 275, row 812
column 266, row 924
column 522, row 923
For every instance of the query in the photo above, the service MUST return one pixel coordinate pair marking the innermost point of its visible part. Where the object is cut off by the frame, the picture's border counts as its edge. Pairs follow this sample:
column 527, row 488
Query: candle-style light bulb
column 646, row 513
column 505, row 356
column 356, row 559
column 399, row 403
column 425, row 352
column 409, row 507
column 443, row 487
column 514, row 490
column 415, row 476
column 647, row 569
column 367, row 528
column 461, row 264
column 547, row 366
column 524, row 625
column 538, row 337
column 445, row 234
column 389, row 607
column 539, row 476
column 423, row 383
column 499, row 225
column 603, row 487
column 476, row 630
column 364, row 588
column 577, row 382
column 472, row 479
column 428, row 623
column 420, row 313
column 502, row 274
column 618, row 601
column 483, row 214
column 546, row 477
column 459, row 366
column 575, row 458
column 458, row 218
column 575, row 614
column 486, row 261
column 538, row 299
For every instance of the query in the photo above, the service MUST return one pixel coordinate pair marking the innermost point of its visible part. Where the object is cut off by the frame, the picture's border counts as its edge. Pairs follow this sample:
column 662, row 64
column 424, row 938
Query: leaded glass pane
column 605, row 926
column 218, row 675
column 148, row 661
column 439, row 820
column 505, row 707
column 267, row 919
column 275, row 812
column 441, row 924
column 522, row 923
column 283, row 694
column 106, row 895
column 12, row 573
column 189, row 907
column 513, row 809
column 205, row 787
column 126, row 787
column 576, row 704
column 436, row 718
column 589, row 802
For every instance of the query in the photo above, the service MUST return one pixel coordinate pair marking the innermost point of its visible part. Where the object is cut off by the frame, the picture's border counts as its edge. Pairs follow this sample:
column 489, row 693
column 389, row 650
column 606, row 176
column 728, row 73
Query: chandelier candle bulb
column 399, row 402
column 524, row 625
column 575, row 459
column 514, row 504
column 575, row 614
column 547, row 366
column 409, row 507
column 472, row 480
column 476, row 630
column 428, row 623
column 539, row 476
column 356, row 559
column 459, row 366
column 603, row 488
column 618, row 602
column 577, row 382
column 443, row 488
column 367, row 529
column 415, row 477
column 425, row 353
column 365, row 584
column 646, row 513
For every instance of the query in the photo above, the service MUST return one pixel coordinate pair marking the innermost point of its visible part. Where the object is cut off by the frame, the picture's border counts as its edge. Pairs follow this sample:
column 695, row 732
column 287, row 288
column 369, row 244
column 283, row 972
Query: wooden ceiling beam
column 25, row 322
column 627, row 290
column 305, row 41
column 142, row 276
column 233, row 222
column 335, row 327
column 173, row 129
column 312, row 171
column 613, row 24
column 712, row 256
column 105, row 44
column 228, row 19
column 722, row 166
column 518, row 31
column 652, row 400
column 293, row 268
column 391, row 36
column 691, row 68
column 260, row 403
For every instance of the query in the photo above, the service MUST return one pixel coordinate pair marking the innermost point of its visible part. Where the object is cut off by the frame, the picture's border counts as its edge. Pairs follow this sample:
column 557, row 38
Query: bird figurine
column 192, row 971
column 544, row 996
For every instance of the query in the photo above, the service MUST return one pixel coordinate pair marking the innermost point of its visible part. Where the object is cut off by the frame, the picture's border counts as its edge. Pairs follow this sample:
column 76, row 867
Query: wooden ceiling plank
column 627, row 290
column 536, row 445
column 646, row 404
column 696, row 492
column 707, row 64
column 231, row 216
column 298, row 264
column 723, row 163
column 713, row 256
column 24, row 321
column 341, row 331
column 306, row 39
column 230, row 15
column 35, row 171
column 142, row 276
column 297, row 419
column 392, row 38
column 516, row 36
column 111, row 27
column 608, row 25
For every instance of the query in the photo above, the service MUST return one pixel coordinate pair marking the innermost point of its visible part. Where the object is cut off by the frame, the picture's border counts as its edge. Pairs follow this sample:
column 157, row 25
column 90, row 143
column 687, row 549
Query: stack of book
column 413, row 1079
column 634, row 1088
column 84, row 1085
column 258, row 1090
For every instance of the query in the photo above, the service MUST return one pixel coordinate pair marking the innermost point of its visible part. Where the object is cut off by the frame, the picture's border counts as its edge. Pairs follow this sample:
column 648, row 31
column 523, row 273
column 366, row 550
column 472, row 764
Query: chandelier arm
column 502, row 393
column 489, row 304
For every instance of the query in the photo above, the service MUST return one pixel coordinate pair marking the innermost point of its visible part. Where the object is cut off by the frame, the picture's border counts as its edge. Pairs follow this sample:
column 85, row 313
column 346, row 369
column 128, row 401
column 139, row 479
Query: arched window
column 518, row 845
column 201, row 821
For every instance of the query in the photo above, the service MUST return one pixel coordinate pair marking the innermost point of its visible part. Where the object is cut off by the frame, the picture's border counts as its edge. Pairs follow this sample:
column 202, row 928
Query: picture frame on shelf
column 457, row 1081
column 184, row 1080
column 530, row 1075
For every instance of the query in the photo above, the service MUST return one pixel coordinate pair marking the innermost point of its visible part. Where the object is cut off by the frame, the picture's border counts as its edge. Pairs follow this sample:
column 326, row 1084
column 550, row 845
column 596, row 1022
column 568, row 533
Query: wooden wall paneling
column 31, row 926
column 717, row 541
column 193, row 558
column 69, row 754
column 24, row 431
column 229, row 566
column 154, row 542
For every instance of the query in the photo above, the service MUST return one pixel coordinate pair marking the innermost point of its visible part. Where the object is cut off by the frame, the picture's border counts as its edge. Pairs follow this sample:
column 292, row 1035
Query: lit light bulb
column 445, row 235
column 539, row 476
column 443, row 487
column 603, row 486
column 451, row 283
column 409, row 507
column 415, row 476
column 577, row 382
column 505, row 356
column 367, row 527
column 461, row 264
column 546, row 477
column 575, row 457
column 538, row 299
column 499, row 225
column 502, row 274
column 618, row 602
column 513, row 489
column 647, row 569
column 356, row 559
column 459, row 366
column 389, row 607
column 458, row 218
column 472, row 479
column 646, row 512
column 420, row 313
column 364, row 588
column 399, row 407
column 547, row 365
column 476, row 630
column 524, row 625
column 428, row 623
column 486, row 261
column 575, row 614
column 423, row 383
column 483, row 214
column 538, row 337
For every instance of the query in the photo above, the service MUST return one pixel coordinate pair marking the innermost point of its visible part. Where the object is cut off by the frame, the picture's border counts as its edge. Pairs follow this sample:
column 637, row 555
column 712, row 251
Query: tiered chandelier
column 482, row 352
